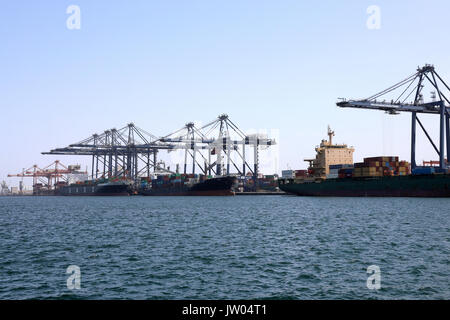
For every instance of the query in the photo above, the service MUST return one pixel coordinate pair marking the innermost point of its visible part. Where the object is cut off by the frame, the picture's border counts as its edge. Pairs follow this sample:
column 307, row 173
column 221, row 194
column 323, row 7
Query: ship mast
column 330, row 135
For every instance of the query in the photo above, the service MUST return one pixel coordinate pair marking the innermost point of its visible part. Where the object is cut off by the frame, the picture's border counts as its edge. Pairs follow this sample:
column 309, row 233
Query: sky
column 274, row 65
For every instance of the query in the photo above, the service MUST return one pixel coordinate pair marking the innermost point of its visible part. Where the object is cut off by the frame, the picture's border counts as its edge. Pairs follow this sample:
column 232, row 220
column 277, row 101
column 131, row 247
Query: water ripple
column 224, row 248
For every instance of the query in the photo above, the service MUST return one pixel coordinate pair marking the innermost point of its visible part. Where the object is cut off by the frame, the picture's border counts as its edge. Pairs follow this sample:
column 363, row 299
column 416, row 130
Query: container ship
column 188, row 185
column 332, row 173
column 101, row 187
column 263, row 184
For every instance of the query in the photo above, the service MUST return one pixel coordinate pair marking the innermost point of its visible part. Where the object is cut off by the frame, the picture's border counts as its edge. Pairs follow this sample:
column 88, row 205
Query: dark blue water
column 224, row 248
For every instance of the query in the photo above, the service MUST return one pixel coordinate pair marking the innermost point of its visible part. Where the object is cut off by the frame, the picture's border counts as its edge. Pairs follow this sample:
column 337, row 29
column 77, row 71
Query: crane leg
column 413, row 140
column 447, row 126
column 442, row 137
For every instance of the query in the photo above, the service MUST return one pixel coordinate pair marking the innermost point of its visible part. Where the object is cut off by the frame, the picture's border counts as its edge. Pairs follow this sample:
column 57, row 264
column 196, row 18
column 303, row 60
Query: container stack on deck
column 345, row 173
column 340, row 171
column 301, row 173
column 264, row 182
column 162, row 181
column 381, row 167
column 371, row 167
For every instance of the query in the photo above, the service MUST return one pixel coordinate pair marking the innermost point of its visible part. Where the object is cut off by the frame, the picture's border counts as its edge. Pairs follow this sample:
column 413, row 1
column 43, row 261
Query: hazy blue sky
column 267, row 64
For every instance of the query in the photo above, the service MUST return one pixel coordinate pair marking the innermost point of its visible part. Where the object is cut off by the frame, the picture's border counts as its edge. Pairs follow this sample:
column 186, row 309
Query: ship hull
column 95, row 190
column 222, row 186
column 188, row 193
column 437, row 186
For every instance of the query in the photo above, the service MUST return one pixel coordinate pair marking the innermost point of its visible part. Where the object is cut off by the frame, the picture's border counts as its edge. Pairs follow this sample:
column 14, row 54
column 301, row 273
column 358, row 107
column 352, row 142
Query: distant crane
column 220, row 137
column 5, row 188
column 412, row 87
column 122, row 152
column 117, row 152
column 48, row 176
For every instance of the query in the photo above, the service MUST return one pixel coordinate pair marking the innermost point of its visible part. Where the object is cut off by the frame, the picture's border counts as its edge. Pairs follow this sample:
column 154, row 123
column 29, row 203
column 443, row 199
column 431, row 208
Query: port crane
column 217, row 138
column 4, row 189
column 121, row 152
column 190, row 139
column 118, row 152
column 48, row 176
column 411, row 88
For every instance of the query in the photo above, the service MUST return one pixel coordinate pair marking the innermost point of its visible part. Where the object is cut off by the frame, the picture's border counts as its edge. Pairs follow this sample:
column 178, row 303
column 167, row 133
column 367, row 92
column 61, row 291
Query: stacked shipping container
column 345, row 173
column 380, row 167
column 340, row 171
column 301, row 173
column 267, row 182
column 163, row 181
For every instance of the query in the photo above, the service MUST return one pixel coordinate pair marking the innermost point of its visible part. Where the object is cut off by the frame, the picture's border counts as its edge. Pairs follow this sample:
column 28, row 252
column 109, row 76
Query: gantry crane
column 49, row 176
column 4, row 189
column 412, row 87
column 217, row 138
column 117, row 152
column 122, row 152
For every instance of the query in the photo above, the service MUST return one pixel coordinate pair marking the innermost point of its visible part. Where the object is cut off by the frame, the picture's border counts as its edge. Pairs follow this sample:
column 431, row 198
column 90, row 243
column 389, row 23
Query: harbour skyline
column 273, row 66
column 224, row 158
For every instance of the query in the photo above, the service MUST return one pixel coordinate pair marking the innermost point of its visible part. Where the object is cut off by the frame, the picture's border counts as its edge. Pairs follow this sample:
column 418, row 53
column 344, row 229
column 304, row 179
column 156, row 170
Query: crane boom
column 430, row 108
column 414, row 85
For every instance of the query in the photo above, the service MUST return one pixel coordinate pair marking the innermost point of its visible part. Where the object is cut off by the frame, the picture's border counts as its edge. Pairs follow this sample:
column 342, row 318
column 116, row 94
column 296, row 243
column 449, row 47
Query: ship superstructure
column 328, row 154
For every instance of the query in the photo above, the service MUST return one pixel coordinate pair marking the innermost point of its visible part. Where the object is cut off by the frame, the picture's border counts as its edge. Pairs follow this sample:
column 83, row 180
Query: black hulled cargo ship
column 188, row 185
column 115, row 187
column 332, row 173
column 427, row 185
